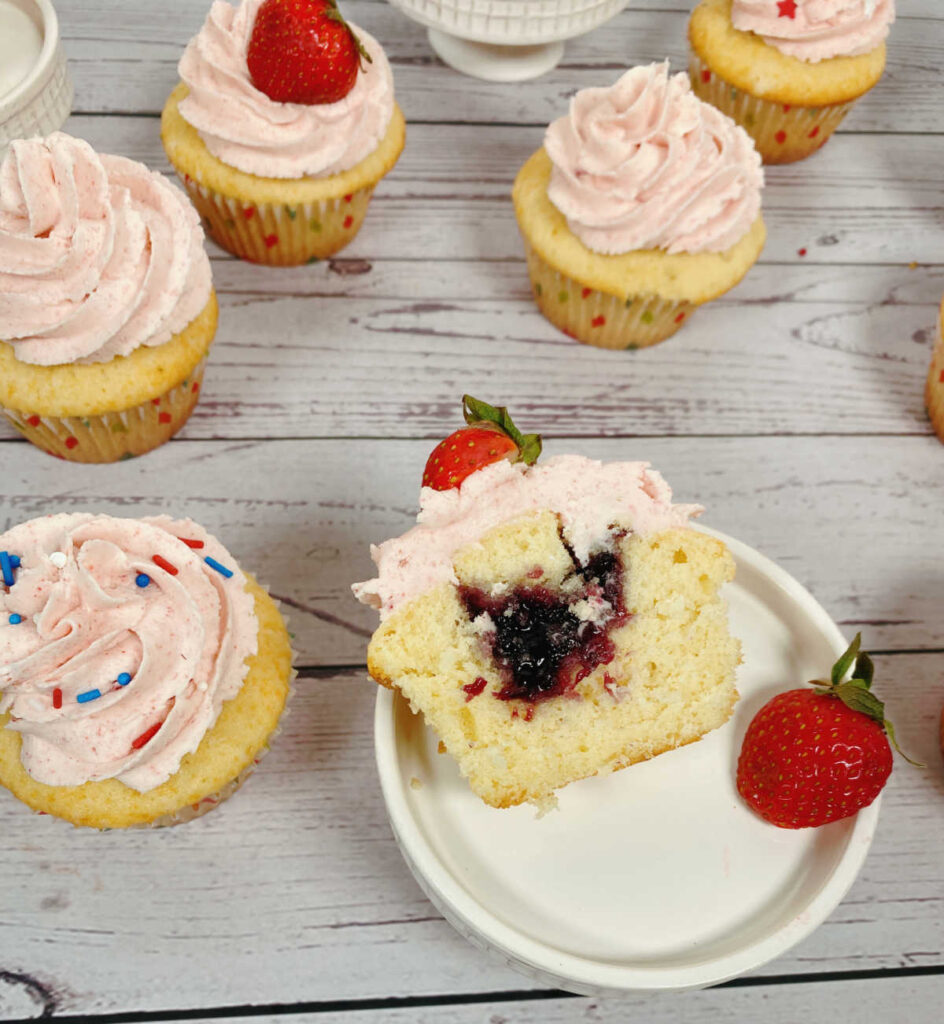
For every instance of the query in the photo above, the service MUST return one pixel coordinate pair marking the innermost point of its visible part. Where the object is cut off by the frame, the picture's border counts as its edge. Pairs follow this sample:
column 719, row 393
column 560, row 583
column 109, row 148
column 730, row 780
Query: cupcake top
column 815, row 30
column 592, row 499
column 645, row 164
column 98, row 255
column 120, row 639
column 244, row 128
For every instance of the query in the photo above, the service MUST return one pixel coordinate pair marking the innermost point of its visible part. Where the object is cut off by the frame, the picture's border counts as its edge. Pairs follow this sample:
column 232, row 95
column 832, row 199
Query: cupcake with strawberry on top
column 282, row 125
column 788, row 71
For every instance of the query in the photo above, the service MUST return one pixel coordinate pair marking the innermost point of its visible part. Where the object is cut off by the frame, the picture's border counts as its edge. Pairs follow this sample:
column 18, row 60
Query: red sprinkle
column 155, row 401
column 249, row 212
column 164, row 417
column 349, row 197
column 781, row 137
column 941, row 378
column 801, row 252
column 164, row 564
column 814, row 132
column 598, row 321
column 34, row 421
column 348, row 221
column 71, row 442
column 57, row 698
column 585, row 292
column 475, row 688
column 191, row 543
column 706, row 75
column 196, row 386
column 146, row 736
column 680, row 318
column 786, row 108
column 271, row 240
column 529, row 714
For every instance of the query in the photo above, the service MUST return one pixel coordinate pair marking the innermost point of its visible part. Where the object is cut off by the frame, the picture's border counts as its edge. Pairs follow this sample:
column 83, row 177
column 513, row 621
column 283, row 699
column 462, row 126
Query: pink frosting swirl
column 590, row 497
column 80, row 621
column 244, row 128
column 815, row 30
column 645, row 164
column 98, row 255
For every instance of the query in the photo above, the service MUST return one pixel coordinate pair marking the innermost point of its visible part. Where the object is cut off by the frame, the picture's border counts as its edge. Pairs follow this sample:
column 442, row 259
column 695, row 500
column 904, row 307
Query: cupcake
column 107, row 309
column 551, row 621
column 279, row 146
column 934, row 391
column 141, row 672
column 642, row 204
column 788, row 71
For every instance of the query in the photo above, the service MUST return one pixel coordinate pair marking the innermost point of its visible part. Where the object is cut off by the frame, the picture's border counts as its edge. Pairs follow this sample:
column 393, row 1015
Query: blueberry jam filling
column 547, row 641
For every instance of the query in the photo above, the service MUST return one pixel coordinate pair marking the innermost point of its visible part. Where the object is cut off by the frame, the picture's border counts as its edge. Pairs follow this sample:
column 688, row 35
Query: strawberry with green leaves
column 812, row 756
column 489, row 437
column 303, row 51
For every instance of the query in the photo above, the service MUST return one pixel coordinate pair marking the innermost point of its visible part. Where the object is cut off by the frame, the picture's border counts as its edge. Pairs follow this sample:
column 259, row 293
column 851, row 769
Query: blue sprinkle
column 221, row 569
column 15, row 561
column 124, row 679
column 84, row 698
column 142, row 579
column 15, row 619
column 6, row 567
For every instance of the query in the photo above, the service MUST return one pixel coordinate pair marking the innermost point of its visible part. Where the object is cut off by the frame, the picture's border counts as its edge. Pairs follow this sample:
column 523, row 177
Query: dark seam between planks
column 460, row 999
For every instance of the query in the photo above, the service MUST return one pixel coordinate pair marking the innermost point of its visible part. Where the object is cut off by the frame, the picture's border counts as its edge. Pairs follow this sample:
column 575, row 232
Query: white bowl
column 41, row 101
column 506, row 40
column 656, row 877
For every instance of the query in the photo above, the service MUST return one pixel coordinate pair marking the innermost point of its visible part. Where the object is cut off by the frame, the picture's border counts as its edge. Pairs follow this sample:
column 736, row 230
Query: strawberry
column 303, row 51
column 814, row 756
column 490, row 436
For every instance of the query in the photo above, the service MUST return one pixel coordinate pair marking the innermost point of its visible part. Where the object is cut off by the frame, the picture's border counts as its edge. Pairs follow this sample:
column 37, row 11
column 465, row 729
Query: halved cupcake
column 551, row 621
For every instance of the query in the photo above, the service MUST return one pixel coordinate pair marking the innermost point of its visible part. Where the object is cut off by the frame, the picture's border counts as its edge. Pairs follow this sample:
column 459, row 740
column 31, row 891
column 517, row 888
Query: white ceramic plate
column 656, row 877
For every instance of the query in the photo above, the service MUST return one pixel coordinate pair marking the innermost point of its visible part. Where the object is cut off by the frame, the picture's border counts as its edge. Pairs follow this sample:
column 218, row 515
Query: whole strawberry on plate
column 814, row 755
column 303, row 51
column 490, row 435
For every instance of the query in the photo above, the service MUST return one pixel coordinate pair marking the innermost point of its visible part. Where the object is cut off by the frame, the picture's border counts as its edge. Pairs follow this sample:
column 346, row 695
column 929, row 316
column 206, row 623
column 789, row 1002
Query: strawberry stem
column 856, row 693
column 474, row 411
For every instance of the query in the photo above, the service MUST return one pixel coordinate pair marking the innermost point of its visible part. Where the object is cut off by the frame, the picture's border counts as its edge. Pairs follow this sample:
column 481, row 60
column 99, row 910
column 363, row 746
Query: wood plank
column 295, row 891
column 855, row 519
column 866, row 1001
column 783, row 359
column 448, row 197
column 124, row 59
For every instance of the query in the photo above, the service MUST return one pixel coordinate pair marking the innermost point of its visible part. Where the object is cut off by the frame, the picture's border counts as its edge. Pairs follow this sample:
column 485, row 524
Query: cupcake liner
column 598, row 318
column 783, row 133
column 213, row 800
column 277, row 234
column 934, row 389
column 112, row 436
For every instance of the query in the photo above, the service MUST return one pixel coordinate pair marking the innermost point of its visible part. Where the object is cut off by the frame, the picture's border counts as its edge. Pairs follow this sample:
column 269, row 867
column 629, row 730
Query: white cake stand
column 506, row 40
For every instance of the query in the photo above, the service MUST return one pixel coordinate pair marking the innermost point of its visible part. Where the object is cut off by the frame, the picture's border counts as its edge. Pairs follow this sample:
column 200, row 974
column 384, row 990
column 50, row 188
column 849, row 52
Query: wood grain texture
column 294, row 890
column 144, row 44
column 852, row 518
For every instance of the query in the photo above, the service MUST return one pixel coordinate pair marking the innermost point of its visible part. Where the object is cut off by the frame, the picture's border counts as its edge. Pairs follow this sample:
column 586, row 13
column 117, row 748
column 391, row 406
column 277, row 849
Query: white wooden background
column 792, row 408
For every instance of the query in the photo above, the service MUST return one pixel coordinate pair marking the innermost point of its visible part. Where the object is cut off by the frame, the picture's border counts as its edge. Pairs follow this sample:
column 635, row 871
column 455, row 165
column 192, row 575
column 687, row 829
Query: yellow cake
column 670, row 682
column 789, row 106
column 227, row 752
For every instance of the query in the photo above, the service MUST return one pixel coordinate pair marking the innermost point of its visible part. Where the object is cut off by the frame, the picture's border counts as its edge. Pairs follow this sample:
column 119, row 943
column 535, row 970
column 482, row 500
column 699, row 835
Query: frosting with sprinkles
column 112, row 671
